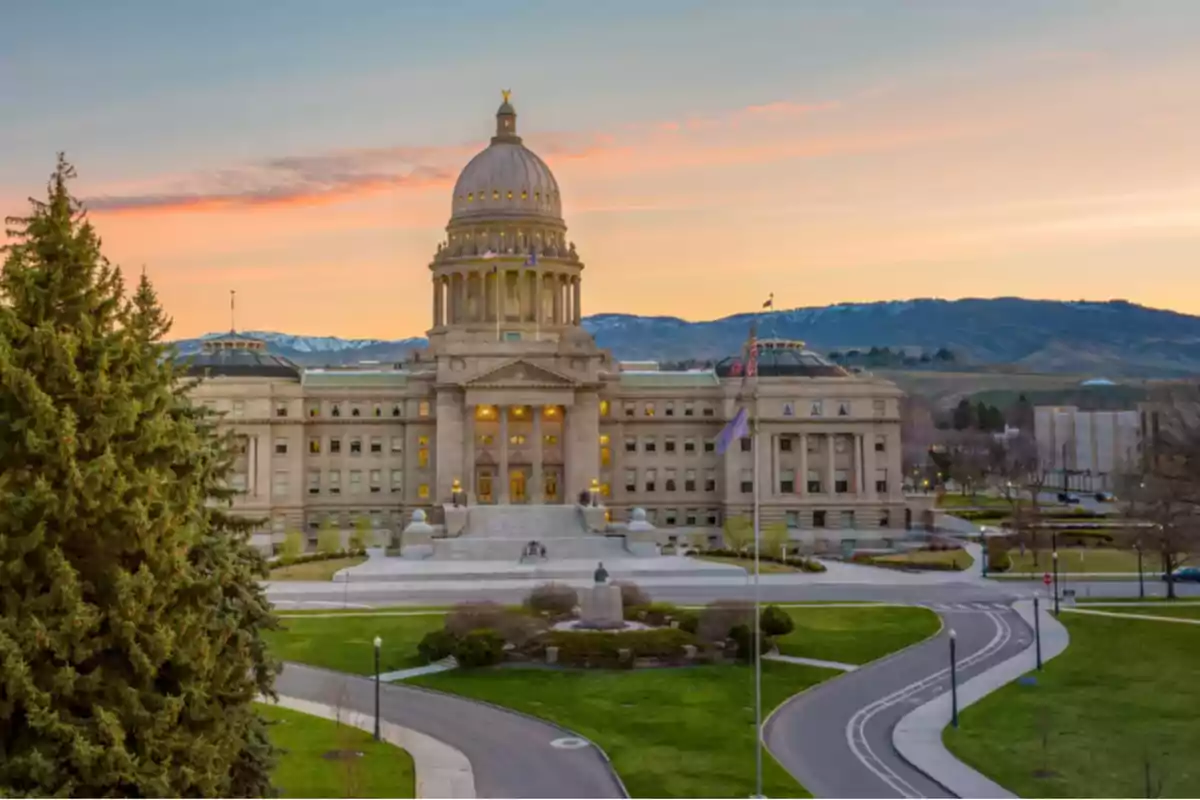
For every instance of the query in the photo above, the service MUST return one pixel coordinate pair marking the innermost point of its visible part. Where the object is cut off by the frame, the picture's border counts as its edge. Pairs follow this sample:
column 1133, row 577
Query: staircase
column 500, row 533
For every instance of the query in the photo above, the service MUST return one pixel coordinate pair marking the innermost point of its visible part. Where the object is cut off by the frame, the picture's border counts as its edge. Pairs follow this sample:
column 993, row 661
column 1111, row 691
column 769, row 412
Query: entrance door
column 551, row 486
column 516, row 486
column 484, row 483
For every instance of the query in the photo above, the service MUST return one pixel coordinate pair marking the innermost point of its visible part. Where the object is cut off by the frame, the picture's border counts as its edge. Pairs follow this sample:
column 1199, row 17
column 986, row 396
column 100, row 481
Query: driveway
column 511, row 755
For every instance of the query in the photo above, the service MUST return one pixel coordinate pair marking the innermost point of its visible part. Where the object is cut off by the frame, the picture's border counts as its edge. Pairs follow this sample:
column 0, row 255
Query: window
column 241, row 445
column 377, row 445
column 375, row 481
column 279, row 485
column 397, row 445
column 819, row 518
column 843, row 409
column 710, row 446
column 648, row 409
column 885, row 519
column 880, row 444
column 847, row 519
column 707, row 411
column 314, row 445
column 377, row 410
column 689, row 409
column 355, row 410
column 669, row 408
column 397, row 482
column 314, row 481
column 604, row 408
column 423, row 452
column 689, row 480
column 631, row 480
column 787, row 481
column 423, row 411
column 314, row 410
column 517, row 438
column 630, row 409
column 335, row 445
column 355, row 446
column 605, row 489
column 791, row 519
column 630, row 444
column 747, row 481
column 841, row 481
column 549, row 438
column 816, row 408
column 423, row 491
column 669, row 516
column 355, row 481
column 281, row 447
column 746, row 443
column 710, row 480
column 669, row 444
column 669, row 481
column 336, row 410
column 689, row 516
column 651, row 482
column 814, row 482
column 650, row 445
column 239, row 408
column 789, row 409
column 879, row 407
column 712, row 518
column 606, row 456
column 335, row 481
column 397, row 410
column 785, row 444
column 689, row 445
column 281, row 409
column 376, row 518
column 881, row 480
column 486, row 439
column 839, row 443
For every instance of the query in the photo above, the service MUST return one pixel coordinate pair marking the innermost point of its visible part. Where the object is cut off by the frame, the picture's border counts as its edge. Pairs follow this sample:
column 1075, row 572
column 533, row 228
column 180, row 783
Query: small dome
column 781, row 358
column 506, row 179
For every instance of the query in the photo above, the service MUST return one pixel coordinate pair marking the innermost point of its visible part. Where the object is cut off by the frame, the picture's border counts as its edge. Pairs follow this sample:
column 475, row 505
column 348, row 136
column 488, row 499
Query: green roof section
column 652, row 379
column 334, row 379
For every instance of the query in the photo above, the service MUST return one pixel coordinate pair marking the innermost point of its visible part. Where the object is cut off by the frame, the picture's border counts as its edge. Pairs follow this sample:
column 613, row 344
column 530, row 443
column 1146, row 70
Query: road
column 836, row 739
column 511, row 755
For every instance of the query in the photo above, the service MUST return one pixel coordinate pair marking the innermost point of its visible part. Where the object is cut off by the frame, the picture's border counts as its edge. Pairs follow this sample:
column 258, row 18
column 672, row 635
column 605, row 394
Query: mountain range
column 1113, row 338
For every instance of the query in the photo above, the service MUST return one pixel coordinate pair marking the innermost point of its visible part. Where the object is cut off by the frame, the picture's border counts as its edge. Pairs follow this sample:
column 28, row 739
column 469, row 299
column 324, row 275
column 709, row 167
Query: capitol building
column 513, row 403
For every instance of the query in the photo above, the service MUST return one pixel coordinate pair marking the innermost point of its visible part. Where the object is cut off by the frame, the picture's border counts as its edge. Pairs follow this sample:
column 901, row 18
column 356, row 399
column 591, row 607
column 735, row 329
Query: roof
column 239, row 363
column 656, row 379
column 352, row 378
column 781, row 359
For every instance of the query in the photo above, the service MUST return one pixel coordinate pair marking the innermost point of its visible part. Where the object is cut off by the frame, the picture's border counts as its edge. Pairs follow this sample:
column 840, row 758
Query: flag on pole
column 532, row 260
column 738, row 428
column 750, row 357
column 770, row 302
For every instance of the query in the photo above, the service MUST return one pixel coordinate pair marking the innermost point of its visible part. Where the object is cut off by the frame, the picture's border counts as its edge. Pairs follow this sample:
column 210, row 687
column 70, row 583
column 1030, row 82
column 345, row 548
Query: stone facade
column 512, row 402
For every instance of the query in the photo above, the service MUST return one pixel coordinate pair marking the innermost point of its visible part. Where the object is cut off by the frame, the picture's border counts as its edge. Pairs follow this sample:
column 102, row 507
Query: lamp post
column 1054, row 557
column 1141, row 578
column 953, row 679
column 455, row 492
column 594, row 490
column 1037, row 630
column 378, row 644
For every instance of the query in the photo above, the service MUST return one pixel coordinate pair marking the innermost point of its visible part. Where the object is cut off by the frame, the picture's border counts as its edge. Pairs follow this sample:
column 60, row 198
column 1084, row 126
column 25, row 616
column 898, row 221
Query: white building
column 1086, row 450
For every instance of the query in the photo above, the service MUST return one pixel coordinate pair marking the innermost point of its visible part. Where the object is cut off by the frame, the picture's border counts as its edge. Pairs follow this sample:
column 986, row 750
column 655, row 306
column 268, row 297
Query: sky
column 302, row 152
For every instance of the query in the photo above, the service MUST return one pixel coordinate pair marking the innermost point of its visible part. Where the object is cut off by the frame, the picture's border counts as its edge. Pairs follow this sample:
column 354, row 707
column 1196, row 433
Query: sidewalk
column 918, row 736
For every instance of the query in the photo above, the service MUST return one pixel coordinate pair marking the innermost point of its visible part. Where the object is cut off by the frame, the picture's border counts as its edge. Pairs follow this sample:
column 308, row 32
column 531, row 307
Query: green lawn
column 315, row 570
column 1160, row 610
column 915, row 559
column 1122, row 699
column 305, row 768
column 856, row 635
column 952, row 501
column 764, row 567
column 344, row 643
column 1082, row 559
column 383, row 611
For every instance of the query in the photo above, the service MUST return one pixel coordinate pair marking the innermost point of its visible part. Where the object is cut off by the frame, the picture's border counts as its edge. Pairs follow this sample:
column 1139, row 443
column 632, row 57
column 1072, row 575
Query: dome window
column 537, row 195
column 524, row 195
column 510, row 195
column 495, row 194
column 470, row 197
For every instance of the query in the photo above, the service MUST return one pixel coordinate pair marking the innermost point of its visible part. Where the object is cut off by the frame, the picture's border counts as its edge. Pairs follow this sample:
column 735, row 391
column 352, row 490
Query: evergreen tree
column 131, row 614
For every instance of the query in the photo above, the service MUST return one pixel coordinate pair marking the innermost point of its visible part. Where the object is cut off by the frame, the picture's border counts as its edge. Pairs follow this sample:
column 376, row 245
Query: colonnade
column 862, row 462
column 512, row 294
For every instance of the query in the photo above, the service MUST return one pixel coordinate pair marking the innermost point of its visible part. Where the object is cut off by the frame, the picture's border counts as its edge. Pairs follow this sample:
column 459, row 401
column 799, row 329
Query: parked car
column 1067, row 497
column 1185, row 575
column 1105, row 497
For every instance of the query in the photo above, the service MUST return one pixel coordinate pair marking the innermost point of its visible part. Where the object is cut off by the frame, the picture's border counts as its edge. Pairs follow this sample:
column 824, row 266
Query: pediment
column 522, row 373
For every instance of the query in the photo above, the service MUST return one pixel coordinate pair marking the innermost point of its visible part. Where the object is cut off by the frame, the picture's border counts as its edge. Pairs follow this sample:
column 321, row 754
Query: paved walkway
column 445, row 665
column 511, row 755
column 810, row 662
column 918, row 736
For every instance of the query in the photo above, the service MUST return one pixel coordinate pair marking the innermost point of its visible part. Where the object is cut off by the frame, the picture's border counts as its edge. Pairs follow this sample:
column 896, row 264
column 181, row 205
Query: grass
column 915, row 559
column 344, row 642
column 1082, row 559
column 382, row 770
column 1174, row 612
column 764, row 567
column 314, row 570
column 1106, row 600
column 856, row 635
column 361, row 612
column 1119, row 702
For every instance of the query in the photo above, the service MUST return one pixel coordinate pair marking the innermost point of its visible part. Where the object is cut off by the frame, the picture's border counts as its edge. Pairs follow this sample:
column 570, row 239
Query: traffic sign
column 1046, row 579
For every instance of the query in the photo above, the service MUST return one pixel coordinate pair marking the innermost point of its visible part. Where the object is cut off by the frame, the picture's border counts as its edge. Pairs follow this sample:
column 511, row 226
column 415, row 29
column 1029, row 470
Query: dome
column 506, row 179
column 781, row 358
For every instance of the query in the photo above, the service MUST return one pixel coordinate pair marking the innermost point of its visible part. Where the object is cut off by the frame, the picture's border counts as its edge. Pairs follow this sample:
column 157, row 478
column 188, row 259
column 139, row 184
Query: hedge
column 799, row 562
column 308, row 558
column 602, row 648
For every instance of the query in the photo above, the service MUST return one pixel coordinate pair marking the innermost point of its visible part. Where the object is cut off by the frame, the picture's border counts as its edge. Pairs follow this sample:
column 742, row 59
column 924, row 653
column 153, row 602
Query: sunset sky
column 301, row 152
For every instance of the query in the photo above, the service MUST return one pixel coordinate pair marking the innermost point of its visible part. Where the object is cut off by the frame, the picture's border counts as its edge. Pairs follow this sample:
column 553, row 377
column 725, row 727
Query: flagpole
column 758, row 743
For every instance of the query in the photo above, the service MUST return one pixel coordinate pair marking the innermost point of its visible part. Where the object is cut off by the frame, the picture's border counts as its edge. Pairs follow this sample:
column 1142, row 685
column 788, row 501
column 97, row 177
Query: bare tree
column 917, row 434
column 969, row 454
column 1014, row 461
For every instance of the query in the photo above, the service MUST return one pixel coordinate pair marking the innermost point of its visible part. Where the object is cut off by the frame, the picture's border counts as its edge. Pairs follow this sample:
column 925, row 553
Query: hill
column 1113, row 339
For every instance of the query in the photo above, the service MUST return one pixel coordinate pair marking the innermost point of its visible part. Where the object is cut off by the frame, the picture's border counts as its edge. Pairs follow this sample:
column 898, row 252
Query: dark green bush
column 436, row 645
column 602, row 648
column 553, row 600
column 720, row 616
column 743, row 637
column 997, row 554
column 308, row 558
column 798, row 561
column 513, row 626
column 776, row 622
column 481, row 648
column 689, row 620
column 656, row 614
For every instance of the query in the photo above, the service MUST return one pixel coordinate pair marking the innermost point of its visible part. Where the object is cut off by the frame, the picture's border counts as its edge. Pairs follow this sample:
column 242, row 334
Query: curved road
column 510, row 754
column 836, row 739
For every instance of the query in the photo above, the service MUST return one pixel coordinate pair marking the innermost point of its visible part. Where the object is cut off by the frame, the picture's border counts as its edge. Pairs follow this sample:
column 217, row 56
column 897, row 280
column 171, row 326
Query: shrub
column 720, row 616
column 329, row 538
column 743, row 637
column 293, row 545
column 436, row 645
column 481, row 648
column 553, row 600
column 998, row 559
column 776, row 621
column 632, row 594
column 308, row 558
column 689, row 620
column 512, row 626
column 361, row 533
column 812, row 565
column 602, row 648
column 655, row 614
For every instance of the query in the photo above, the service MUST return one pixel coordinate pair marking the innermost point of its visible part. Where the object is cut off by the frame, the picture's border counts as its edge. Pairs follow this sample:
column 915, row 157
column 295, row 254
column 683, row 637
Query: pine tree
column 131, row 614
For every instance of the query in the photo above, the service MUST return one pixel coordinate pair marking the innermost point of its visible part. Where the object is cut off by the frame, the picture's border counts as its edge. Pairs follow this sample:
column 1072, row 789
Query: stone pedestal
column 417, row 540
column 641, row 538
column 600, row 608
column 456, row 518
column 594, row 519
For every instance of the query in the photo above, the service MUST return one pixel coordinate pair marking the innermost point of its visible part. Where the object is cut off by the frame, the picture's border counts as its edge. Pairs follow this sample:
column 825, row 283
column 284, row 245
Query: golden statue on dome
column 506, row 94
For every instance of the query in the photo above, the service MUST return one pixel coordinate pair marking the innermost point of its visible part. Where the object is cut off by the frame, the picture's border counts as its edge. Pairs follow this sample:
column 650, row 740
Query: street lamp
column 953, row 679
column 455, row 492
column 1141, row 578
column 1054, row 556
column 378, row 643
column 594, row 490
column 1037, row 630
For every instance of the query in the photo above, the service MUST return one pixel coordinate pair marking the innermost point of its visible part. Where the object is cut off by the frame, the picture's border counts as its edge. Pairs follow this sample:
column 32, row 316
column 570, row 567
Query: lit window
column 314, row 445
column 423, row 458
column 550, row 411
column 495, row 194
column 516, row 438
column 470, row 196
column 604, row 438
column 649, row 410
column 314, row 410
column 524, row 195
column 510, row 195
column 537, row 195
column 550, row 438
column 423, row 491
column 423, row 408
column 604, row 408
column 485, row 412
column 605, row 457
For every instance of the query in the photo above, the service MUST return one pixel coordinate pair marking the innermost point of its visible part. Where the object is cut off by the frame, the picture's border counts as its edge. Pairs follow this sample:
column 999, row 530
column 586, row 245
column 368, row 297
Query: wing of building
column 513, row 402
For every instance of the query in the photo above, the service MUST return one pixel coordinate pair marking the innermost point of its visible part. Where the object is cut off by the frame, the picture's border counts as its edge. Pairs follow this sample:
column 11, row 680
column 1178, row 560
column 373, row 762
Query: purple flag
column 738, row 428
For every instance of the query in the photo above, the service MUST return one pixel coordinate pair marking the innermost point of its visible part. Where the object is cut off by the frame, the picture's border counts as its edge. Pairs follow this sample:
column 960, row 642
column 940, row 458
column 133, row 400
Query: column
column 539, row 483
column 869, row 467
column 434, row 320
column 558, row 300
column 829, row 471
column 501, row 291
column 468, row 476
column 802, row 473
column 502, row 478
column 449, row 440
column 860, row 484
column 775, row 474
column 577, row 300
column 461, row 316
column 582, row 434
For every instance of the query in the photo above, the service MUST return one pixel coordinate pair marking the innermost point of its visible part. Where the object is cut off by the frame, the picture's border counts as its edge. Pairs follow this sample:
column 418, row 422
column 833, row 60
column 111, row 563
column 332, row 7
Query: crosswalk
column 977, row 607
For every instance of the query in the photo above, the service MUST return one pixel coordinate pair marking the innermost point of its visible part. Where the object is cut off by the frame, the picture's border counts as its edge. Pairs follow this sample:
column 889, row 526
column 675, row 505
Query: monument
column 600, row 607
